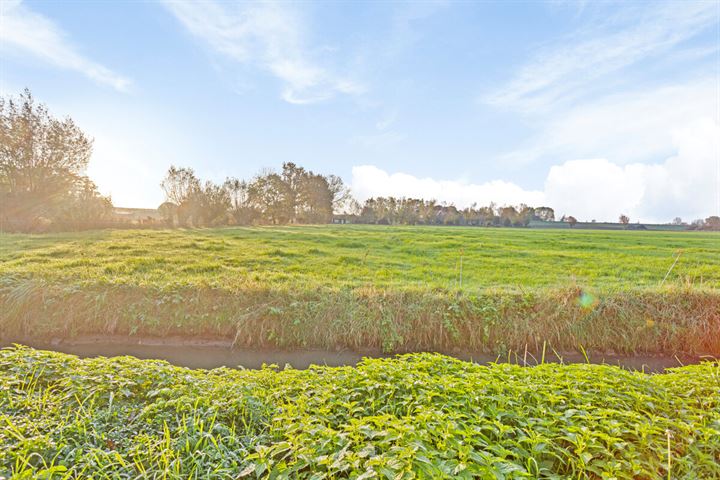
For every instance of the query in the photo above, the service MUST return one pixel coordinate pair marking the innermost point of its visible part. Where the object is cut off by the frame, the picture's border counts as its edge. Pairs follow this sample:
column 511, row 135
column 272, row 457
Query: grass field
column 397, row 257
column 396, row 288
column 418, row 416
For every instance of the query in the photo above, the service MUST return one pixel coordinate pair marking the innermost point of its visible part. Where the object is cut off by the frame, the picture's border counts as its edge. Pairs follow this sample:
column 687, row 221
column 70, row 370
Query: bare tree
column 624, row 219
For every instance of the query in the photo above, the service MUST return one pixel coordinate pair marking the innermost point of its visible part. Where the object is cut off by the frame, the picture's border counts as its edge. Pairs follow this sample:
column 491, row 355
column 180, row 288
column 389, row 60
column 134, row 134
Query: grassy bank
column 418, row 416
column 394, row 288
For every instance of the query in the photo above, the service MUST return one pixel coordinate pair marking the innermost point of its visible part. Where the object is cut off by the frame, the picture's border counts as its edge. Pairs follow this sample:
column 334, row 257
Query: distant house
column 137, row 215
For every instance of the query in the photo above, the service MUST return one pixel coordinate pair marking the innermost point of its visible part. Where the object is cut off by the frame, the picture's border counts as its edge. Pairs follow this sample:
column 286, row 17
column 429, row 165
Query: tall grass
column 672, row 320
column 398, row 289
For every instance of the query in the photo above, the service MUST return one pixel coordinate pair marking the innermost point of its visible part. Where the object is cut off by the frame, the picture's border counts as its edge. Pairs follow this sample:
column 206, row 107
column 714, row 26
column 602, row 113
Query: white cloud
column 687, row 184
column 269, row 35
column 23, row 32
column 369, row 181
column 583, row 61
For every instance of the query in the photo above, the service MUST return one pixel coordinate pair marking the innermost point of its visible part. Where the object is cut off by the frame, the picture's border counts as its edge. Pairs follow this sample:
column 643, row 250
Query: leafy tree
column 508, row 215
column 293, row 177
column 571, row 220
column 340, row 194
column 239, row 194
column 42, row 165
column 210, row 205
column 85, row 207
column 271, row 196
column 545, row 214
column 198, row 204
column 712, row 223
column 168, row 211
column 181, row 187
column 314, row 200
column 524, row 215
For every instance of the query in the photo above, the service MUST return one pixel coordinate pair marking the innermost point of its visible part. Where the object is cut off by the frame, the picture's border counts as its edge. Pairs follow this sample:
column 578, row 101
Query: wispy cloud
column 269, row 35
column 25, row 32
column 634, row 125
column 580, row 63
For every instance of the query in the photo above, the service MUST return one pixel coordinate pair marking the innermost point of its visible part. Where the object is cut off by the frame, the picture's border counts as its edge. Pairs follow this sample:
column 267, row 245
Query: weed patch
column 416, row 416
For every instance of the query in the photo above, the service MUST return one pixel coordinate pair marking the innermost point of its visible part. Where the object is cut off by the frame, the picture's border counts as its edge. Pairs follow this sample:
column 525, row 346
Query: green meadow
column 378, row 256
column 366, row 287
column 422, row 416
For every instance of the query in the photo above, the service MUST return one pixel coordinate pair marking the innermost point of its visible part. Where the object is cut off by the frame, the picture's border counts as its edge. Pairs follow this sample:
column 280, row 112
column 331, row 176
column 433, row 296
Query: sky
column 593, row 108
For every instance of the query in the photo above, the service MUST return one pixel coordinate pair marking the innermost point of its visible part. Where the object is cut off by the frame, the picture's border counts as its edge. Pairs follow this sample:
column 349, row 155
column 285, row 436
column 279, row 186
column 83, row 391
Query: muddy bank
column 212, row 353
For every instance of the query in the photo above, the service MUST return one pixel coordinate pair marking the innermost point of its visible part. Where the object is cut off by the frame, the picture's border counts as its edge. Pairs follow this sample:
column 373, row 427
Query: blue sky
column 595, row 108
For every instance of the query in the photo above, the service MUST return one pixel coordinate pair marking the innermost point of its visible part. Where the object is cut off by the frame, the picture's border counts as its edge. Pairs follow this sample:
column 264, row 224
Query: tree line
column 43, row 187
column 297, row 195
column 412, row 211
column 293, row 195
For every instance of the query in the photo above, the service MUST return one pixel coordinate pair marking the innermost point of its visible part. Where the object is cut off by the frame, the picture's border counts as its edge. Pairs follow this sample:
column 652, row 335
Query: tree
column 182, row 187
column 677, row 221
column 270, row 195
column 524, row 215
column 42, row 162
column 712, row 223
column 293, row 176
column 508, row 215
column 239, row 194
column 571, row 220
column 340, row 194
column 85, row 207
column 546, row 214
column 198, row 204
column 210, row 204
column 168, row 211
column 624, row 219
column 314, row 201
column 697, row 224
column 179, row 184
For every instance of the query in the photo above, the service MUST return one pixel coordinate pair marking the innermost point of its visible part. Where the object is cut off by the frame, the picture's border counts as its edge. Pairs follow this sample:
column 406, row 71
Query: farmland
column 385, row 257
column 416, row 416
column 395, row 288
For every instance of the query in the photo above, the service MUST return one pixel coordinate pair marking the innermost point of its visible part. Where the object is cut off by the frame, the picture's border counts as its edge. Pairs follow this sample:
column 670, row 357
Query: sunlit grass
column 404, row 257
column 359, row 287
column 418, row 416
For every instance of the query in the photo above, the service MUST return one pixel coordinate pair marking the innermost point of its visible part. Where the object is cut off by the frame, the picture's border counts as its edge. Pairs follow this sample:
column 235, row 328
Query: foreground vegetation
column 417, row 416
column 396, row 288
